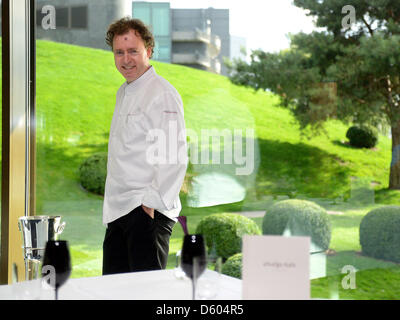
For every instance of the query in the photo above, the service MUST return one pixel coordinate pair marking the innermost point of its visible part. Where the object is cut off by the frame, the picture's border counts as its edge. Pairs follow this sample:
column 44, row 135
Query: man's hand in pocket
column 149, row 211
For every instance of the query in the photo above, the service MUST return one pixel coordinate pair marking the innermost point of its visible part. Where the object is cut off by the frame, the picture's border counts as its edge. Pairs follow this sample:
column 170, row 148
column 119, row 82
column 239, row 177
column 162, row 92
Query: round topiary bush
column 233, row 266
column 380, row 233
column 299, row 218
column 223, row 232
column 93, row 172
column 362, row 136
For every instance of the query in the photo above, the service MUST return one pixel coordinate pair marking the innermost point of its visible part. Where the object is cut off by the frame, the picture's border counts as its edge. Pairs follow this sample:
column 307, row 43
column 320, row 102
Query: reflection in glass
column 76, row 85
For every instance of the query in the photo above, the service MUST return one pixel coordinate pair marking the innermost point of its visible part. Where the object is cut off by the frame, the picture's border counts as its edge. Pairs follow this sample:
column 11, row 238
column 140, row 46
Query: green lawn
column 376, row 284
column 76, row 89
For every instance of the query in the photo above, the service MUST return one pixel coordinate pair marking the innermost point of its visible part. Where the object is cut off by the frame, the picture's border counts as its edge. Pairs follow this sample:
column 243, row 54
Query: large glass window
column 142, row 11
column 162, row 50
column 158, row 17
column 247, row 155
column 161, row 21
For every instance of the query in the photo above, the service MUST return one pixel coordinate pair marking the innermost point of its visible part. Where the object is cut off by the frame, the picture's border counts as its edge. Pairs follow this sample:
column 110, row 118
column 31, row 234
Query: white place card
column 276, row 268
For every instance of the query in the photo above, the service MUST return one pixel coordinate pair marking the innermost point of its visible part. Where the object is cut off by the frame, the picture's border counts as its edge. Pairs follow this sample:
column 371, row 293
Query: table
column 148, row 285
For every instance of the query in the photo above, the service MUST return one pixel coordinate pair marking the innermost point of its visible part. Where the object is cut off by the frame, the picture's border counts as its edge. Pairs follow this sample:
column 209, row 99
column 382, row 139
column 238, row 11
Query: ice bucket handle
column 60, row 228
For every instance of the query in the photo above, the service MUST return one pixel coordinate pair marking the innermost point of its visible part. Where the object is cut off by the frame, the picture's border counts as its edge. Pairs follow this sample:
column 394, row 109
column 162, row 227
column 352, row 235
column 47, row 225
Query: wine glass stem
column 194, row 289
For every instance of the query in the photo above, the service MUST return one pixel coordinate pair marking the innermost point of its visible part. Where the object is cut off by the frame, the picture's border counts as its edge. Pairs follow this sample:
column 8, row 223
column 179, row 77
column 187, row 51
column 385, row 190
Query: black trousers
column 137, row 242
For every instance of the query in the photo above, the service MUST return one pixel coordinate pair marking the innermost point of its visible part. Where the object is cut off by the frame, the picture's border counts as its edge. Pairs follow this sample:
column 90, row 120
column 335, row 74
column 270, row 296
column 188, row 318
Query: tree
column 350, row 71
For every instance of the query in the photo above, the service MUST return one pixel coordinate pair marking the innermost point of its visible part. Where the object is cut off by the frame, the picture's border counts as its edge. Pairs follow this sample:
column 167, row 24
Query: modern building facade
column 81, row 22
column 201, row 38
column 196, row 38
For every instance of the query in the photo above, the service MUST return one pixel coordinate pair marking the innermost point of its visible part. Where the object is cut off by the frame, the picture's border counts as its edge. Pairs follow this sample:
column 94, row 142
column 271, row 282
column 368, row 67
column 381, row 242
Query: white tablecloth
column 149, row 285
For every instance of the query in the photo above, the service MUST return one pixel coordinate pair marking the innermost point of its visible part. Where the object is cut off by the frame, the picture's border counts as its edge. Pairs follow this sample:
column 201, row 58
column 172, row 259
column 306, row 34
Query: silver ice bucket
column 36, row 231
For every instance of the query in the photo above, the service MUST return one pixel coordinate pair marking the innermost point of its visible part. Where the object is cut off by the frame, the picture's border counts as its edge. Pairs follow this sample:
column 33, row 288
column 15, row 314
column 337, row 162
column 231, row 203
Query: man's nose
column 127, row 57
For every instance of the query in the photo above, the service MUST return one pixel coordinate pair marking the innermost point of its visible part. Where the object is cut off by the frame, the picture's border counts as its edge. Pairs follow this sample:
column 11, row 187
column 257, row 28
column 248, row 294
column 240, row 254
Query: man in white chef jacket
column 147, row 157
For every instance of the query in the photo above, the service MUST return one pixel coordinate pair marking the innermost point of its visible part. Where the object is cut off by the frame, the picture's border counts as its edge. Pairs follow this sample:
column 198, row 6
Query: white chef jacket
column 148, row 104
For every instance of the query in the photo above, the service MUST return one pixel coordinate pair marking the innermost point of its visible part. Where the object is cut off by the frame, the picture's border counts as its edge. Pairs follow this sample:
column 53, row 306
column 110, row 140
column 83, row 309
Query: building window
column 157, row 17
column 67, row 17
column 161, row 21
column 162, row 51
column 142, row 11
column 62, row 17
column 79, row 17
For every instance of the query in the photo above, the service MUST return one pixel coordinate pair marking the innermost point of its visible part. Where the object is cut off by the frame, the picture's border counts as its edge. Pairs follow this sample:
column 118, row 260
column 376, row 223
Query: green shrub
column 223, row 232
column 299, row 218
column 362, row 136
column 93, row 172
column 233, row 266
column 380, row 233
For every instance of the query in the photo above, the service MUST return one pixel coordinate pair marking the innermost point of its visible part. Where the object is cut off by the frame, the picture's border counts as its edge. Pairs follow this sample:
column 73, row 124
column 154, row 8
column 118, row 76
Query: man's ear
column 149, row 50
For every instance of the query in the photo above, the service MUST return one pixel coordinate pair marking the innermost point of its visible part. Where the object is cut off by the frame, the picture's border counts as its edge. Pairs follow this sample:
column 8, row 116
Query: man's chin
column 130, row 79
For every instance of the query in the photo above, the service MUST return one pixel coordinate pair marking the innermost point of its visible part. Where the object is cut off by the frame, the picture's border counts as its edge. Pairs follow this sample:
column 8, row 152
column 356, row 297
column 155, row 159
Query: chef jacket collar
column 130, row 88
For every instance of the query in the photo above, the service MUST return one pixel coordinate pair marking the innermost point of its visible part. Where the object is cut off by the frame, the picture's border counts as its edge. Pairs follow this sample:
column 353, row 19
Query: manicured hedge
column 362, row 136
column 299, row 218
column 93, row 172
column 233, row 266
column 223, row 232
column 380, row 233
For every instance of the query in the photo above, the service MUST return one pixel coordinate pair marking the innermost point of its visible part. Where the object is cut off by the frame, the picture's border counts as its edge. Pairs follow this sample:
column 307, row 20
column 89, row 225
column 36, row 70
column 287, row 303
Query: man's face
column 130, row 55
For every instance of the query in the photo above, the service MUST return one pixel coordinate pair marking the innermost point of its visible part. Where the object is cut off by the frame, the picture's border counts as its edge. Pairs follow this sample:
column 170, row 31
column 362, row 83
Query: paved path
column 251, row 214
column 258, row 214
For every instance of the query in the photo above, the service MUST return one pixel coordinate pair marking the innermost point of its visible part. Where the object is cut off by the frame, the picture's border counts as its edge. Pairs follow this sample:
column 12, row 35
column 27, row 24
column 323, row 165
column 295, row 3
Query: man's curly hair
column 123, row 26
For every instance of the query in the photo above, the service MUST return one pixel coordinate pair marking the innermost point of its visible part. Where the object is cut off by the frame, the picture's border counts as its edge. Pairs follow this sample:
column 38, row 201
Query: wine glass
column 208, row 284
column 57, row 256
column 193, row 258
column 178, row 273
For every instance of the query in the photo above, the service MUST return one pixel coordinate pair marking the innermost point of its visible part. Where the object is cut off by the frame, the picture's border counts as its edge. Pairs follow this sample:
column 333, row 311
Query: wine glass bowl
column 58, row 257
column 193, row 257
